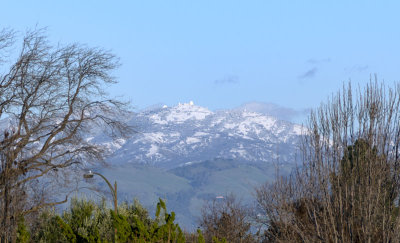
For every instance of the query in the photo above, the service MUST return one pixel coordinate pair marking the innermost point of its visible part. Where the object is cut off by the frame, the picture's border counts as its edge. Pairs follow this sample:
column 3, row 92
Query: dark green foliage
column 362, row 171
column 164, row 227
column 23, row 234
column 52, row 228
column 216, row 240
column 65, row 229
column 122, row 227
column 200, row 238
column 86, row 221
column 82, row 221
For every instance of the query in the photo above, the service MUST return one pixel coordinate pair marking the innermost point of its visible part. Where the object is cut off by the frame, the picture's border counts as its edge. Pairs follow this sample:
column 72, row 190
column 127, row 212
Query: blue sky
column 221, row 54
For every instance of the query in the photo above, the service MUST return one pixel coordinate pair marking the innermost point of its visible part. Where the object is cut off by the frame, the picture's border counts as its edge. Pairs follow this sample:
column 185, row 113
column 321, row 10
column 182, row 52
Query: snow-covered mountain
column 188, row 155
column 195, row 155
column 174, row 136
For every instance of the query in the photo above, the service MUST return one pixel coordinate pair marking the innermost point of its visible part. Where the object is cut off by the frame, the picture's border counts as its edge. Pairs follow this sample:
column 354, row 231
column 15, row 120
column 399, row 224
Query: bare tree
column 227, row 219
column 51, row 96
column 348, row 186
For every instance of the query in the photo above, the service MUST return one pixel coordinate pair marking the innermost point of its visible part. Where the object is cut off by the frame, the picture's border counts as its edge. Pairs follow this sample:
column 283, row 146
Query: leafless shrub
column 227, row 219
column 347, row 189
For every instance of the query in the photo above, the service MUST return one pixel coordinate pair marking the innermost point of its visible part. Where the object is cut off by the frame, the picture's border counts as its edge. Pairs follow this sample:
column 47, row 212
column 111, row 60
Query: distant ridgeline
column 174, row 136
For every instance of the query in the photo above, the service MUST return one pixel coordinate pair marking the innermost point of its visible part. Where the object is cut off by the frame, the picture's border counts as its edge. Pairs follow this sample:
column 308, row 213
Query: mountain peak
column 181, row 113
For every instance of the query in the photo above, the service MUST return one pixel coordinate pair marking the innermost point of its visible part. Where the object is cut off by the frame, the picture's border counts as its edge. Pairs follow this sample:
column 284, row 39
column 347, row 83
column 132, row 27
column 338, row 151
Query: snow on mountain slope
column 173, row 136
column 184, row 134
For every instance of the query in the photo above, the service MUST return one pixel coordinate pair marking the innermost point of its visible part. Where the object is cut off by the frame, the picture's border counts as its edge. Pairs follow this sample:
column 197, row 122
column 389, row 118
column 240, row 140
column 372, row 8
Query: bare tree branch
column 52, row 96
column 348, row 186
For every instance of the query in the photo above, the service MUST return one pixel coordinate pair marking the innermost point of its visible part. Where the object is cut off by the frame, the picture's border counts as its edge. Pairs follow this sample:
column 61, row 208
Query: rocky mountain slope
column 169, row 137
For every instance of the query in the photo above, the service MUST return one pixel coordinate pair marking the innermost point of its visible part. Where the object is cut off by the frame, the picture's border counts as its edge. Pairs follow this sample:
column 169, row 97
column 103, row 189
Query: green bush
column 23, row 235
column 86, row 221
column 52, row 228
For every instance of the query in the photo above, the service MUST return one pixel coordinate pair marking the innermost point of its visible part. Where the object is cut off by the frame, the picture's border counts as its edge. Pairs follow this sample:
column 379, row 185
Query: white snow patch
column 152, row 151
column 298, row 130
column 114, row 145
column 157, row 119
column 184, row 112
column 253, row 123
column 200, row 134
column 217, row 121
column 266, row 121
column 240, row 152
column 157, row 137
column 229, row 125
column 120, row 141
column 191, row 140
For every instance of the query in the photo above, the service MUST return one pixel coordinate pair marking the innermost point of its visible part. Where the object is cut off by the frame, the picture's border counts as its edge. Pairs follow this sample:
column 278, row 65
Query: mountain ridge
column 173, row 136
